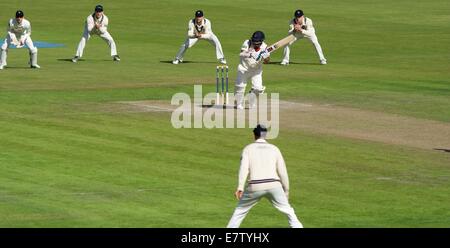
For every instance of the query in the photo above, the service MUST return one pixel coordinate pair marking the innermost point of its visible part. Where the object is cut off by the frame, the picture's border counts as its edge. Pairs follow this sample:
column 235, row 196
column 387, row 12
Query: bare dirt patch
column 341, row 122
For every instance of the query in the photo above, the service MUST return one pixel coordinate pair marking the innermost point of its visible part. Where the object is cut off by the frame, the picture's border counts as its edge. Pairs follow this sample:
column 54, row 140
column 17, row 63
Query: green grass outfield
column 66, row 162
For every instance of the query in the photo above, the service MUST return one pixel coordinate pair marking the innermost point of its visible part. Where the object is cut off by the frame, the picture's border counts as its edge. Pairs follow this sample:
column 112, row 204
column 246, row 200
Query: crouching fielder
column 19, row 34
column 199, row 28
column 302, row 27
column 97, row 24
column 263, row 164
column 253, row 54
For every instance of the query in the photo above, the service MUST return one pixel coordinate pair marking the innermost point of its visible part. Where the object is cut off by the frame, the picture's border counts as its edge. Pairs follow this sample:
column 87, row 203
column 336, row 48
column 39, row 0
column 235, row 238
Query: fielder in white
column 19, row 31
column 252, row 56
column 97, row 24
column 302, row 27
column 264, row 165
column 199, row 28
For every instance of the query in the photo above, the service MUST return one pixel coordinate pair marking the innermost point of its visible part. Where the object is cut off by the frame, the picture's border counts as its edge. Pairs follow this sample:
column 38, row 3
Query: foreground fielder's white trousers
column 276, row 196
column 190, row 42
column 313, row 39
column 105, row 36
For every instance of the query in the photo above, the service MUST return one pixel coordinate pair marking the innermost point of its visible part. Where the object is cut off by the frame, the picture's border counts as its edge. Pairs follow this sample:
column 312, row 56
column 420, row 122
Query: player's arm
column 243, row 173
column 208, row 30
column 308, row 28
column 90, row 23
column 25, row 35
column 282, row 172
column 291, row 28
column 245, row 51
column 191, row 30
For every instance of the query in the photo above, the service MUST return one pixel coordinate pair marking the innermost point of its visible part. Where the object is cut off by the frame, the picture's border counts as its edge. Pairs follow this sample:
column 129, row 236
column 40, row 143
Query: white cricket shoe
column 176, row 61
column 116, row 58
column 323, row 61
column 284, row 62
column 36, row 66
column 2, row 67
column 222, row 61
column 75, row 59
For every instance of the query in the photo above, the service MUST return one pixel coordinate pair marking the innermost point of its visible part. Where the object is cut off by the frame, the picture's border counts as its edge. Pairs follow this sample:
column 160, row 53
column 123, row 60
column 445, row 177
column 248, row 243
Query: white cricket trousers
column 105, row 36
column 241, row 83
column 276, row 196
column 190, row 42
column 31, row 48
column 313, row 39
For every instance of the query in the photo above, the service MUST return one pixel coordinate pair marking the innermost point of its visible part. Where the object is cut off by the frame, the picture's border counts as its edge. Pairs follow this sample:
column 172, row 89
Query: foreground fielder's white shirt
column 248, row 55
column 21, row 31
column 261, row 161
column 92, row 20
column 204, row 29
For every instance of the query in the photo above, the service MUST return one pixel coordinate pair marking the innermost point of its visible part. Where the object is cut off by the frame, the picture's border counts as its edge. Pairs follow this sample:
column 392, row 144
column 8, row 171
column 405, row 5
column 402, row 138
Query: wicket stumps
column 222, row 92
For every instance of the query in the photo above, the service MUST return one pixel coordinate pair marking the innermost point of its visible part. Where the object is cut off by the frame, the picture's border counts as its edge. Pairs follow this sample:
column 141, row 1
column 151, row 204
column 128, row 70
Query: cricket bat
column 281, row 43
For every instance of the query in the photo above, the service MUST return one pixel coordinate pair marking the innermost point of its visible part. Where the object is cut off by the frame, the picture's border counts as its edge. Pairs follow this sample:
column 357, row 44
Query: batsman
column 253, row 54
column 19, row 34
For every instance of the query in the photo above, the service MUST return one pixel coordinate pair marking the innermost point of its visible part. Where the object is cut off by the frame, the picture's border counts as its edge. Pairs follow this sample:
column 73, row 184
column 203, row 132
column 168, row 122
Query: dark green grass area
column 67, row 160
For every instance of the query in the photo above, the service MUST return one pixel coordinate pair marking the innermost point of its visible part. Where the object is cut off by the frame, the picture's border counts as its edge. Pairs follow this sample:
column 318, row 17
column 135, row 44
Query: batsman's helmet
column 258, row 37
column 98, row 8
column 19, row 13
column 198, row 13
column 260, row 130
column 298, row 13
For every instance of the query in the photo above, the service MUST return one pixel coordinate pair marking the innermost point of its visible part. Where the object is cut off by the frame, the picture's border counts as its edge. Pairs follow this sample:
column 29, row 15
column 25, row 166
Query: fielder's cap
column 298, row 13
column 258, row 37
column 198, row 13
column 260, row 130
column 98, row 8
column 19, row 13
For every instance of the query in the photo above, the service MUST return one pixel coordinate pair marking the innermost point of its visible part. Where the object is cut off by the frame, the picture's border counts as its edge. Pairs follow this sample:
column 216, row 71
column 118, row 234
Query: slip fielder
column 19, row 34
column 199, row 28
column 302, row 27
column 97, row 24
column 264, row 166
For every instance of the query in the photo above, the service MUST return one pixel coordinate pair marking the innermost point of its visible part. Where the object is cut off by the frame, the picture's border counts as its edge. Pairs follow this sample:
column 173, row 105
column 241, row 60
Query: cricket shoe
column 177, row 61
column 36, row 66
column 284, row 63
column 75, row 59
column 323, row 61
column 2, row 67
column 116, row 58
column 223, row 61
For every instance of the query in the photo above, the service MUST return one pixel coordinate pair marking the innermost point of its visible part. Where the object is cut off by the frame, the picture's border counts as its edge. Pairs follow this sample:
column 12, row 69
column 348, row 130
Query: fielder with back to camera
column 267, row 175
column 19, row 34
column 96, row 24
column 302, row 27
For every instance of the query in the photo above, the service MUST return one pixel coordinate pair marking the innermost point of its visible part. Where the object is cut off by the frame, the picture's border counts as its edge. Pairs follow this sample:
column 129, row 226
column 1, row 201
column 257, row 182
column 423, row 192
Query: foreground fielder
column 253, row 54
column 264, row 165
column 96, row 24
column 302, row 27
column 199, row 28
column 19, row 31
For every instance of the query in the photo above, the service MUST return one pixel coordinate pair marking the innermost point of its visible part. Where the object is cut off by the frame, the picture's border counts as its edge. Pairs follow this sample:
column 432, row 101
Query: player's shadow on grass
column 17, row 67
column 292, row 63
column 188, row 62
column 69, row 60
column 442, row 149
